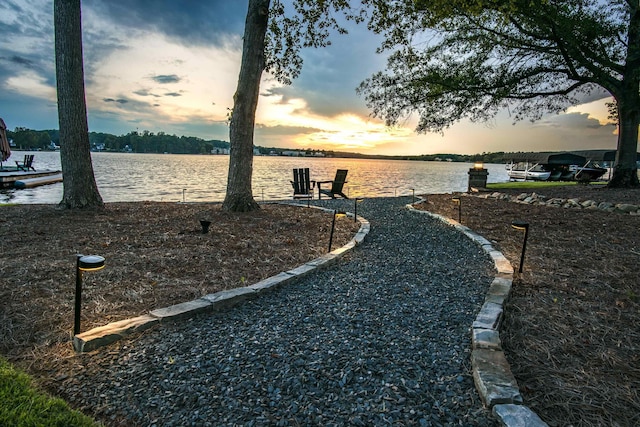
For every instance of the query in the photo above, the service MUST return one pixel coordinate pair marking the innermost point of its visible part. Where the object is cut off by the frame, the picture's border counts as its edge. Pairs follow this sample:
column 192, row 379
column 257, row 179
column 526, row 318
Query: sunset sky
column 168, row 66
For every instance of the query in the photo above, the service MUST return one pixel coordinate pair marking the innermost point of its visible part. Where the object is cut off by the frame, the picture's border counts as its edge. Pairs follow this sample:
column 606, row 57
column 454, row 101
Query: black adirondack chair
column 302, row 184
column 336, row 185
column 26, row 164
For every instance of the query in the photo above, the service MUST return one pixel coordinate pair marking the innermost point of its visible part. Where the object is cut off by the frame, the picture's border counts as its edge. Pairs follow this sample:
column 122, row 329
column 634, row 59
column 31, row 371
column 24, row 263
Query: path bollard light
column 183, row 196
column 83, row 263
column 522, row 226
column 413, row 195
column 355, row 208
column 336, row 214
column 458, row 201
column 205, row 225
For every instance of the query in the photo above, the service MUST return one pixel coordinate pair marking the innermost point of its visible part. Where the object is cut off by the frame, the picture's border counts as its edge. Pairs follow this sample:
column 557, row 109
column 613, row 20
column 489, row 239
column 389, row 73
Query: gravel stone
column 382, row 337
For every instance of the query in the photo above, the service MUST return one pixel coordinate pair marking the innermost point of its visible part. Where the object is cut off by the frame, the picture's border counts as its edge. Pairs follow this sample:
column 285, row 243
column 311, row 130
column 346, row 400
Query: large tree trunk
column 80, row 189
column 625, row 172
column 239, row 197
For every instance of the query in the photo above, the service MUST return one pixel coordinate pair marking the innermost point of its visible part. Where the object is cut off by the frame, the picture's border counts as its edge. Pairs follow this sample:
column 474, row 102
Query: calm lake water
column 172, row 177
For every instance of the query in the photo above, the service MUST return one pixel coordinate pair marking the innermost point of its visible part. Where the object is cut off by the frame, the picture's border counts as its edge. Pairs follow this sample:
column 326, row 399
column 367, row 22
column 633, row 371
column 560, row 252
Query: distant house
column 292, row 153
column 220, row 151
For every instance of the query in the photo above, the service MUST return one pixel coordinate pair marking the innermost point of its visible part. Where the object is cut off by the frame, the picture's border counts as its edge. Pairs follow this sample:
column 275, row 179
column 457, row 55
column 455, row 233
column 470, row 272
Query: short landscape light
column 83, row 263
column 523, row 226
column 205, row 225
column 336, row 214
column 355, row 208
column 458, row 201
column 413, row 195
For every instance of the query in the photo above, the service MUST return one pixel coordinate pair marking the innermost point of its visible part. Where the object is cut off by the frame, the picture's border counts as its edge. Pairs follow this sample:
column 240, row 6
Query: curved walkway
column 380, row 338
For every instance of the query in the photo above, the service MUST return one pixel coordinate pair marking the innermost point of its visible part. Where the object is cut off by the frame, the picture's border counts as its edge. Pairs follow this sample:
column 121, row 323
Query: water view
column 171, row 177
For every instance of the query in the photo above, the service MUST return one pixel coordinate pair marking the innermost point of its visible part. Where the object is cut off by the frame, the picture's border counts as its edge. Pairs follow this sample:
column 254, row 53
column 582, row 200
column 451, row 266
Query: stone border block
column 485, row 339
column 272, row 282
column 344, row 249
column 323, row 261
column 494, row 380
column 230, row 297
column 502, row 263
column 499, row 290
column 112, row 332
column 517, row 416
column 301, row 270
column 489, row 317
column 183, row 309
column 478, row 238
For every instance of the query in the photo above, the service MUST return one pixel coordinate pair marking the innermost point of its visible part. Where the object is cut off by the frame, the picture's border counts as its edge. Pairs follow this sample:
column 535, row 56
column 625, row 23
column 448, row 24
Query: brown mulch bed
column 156, row 256
column 571, row 331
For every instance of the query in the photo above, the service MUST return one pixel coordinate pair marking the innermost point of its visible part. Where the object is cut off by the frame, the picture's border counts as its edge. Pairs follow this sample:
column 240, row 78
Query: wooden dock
column 11, row 177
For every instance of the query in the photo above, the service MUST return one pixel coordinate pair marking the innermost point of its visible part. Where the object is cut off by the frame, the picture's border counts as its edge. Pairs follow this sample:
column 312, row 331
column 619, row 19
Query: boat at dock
column 12, row 177
column 36, row 182
column 526, row 171
column 554, row 166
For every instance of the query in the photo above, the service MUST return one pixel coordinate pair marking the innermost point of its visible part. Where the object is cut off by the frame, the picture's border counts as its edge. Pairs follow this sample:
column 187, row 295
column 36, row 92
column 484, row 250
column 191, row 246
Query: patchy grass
column 23, row 405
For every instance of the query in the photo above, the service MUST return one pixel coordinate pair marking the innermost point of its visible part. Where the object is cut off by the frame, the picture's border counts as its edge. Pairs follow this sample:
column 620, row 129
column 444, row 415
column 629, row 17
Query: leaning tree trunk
column 80, row 189
column 239, row 197
column 625, row 172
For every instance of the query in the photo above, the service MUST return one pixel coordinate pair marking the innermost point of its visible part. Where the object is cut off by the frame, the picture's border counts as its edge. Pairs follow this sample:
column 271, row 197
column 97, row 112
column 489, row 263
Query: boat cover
column 547, row 158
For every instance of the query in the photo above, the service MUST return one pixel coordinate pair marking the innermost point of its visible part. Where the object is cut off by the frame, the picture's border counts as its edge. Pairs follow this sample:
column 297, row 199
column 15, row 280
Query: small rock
column 626, row 207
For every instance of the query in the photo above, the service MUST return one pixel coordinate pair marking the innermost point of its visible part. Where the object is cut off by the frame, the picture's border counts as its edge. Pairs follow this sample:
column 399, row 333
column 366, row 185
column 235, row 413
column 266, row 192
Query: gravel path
column 380, row 338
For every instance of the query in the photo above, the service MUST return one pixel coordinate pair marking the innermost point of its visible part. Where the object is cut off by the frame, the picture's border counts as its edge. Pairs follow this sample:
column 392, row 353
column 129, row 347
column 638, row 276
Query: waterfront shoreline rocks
column 556, row 202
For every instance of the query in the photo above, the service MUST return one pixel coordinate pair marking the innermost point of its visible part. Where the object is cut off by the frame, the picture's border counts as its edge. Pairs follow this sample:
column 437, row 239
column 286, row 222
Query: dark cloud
column 193, row 22
column 166, row 79
column 596, row 94
column 119, row 100
column 145, row 92
column 27, row 63
column 173, row 94
column 32, row 23
column 575, row 121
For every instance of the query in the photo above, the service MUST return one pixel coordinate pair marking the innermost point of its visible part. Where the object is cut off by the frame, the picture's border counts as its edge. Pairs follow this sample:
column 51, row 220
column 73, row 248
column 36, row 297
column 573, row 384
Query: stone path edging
column 492, row 374
column 112, row 332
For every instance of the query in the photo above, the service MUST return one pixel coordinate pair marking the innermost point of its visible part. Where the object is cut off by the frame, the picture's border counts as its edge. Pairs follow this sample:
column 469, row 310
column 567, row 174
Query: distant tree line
column 145, row 142
column 497, row 157
column 148, row 142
